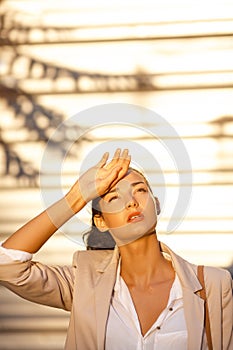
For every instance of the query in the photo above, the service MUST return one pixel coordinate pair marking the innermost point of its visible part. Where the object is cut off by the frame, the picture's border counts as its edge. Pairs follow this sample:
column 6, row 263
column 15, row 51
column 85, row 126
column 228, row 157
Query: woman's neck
column 142, row 262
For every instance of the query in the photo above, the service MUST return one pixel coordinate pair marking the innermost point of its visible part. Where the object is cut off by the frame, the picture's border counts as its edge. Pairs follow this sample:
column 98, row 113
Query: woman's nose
column 132, row 203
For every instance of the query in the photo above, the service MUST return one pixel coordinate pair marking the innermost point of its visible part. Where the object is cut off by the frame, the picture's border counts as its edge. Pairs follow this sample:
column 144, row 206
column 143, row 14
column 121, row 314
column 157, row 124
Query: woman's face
column 129, row 209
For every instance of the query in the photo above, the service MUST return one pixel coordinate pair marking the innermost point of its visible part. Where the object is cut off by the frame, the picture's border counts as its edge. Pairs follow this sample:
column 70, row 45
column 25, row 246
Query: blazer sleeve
column 39, row 283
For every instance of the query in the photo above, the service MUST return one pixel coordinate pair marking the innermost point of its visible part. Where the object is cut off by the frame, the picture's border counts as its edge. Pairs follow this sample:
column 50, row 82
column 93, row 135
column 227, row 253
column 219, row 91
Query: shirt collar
column 118, row 277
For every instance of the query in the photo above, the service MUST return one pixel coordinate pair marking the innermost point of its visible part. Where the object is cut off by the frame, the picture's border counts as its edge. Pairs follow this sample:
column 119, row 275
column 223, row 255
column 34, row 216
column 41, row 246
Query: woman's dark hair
column 95, row 239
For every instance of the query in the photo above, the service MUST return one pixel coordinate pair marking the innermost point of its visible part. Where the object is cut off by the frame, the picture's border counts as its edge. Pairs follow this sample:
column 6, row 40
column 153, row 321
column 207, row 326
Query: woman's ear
column 157, row 203
column 100, row 223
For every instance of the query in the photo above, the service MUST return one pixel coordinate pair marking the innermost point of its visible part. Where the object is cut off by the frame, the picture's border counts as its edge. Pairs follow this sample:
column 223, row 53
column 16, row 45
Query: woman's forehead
column 130, row 178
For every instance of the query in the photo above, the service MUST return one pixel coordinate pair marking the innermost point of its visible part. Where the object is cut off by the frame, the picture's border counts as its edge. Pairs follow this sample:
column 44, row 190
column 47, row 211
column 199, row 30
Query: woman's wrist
column 74, row 199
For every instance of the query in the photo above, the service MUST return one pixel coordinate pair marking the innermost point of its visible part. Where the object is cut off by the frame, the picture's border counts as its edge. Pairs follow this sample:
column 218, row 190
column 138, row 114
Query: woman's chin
column 122, row 236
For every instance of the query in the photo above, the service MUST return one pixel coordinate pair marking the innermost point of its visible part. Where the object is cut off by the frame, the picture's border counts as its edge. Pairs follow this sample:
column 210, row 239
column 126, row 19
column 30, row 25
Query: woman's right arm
column 36, row 232
column 94, row 182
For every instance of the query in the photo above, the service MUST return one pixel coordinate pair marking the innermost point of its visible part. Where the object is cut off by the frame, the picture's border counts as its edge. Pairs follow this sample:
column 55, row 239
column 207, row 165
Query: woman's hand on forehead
column 99, row 179
column 119, row 165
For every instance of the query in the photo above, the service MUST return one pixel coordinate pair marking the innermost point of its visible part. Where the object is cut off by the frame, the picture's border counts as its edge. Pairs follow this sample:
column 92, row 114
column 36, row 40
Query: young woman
column 140, row 295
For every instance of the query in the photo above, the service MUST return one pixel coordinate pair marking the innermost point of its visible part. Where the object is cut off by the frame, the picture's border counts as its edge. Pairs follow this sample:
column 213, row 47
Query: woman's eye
column 112, row 198
column 141, row 189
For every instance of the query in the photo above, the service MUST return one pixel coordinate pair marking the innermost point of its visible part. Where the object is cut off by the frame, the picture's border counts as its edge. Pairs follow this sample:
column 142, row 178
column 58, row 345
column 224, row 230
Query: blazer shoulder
column 91, row 257
column 217, row 276
column 217, row 271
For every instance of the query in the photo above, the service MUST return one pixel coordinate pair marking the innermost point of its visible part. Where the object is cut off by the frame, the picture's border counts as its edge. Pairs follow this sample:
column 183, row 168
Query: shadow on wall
column 37, row 123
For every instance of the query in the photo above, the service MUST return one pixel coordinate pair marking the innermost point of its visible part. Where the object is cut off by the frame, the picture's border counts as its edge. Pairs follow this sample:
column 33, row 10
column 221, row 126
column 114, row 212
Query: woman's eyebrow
column 137, row 183
column 111, row 191
column 132, row 185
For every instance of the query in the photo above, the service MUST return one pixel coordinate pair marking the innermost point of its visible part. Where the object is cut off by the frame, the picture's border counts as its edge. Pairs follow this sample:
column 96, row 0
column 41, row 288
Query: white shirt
column 9, row 255
column 123, row 329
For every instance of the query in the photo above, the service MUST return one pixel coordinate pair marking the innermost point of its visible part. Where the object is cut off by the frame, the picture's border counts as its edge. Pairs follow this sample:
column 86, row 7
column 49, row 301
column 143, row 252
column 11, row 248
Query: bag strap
column 200, row 275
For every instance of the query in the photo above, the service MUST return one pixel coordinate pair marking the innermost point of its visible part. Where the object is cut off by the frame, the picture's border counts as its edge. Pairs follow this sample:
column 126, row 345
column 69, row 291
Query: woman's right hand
column 99, row 179
column 93, row 183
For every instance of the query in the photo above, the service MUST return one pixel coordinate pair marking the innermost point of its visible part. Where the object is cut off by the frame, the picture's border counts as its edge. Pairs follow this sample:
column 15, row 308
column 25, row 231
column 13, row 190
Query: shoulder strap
column 200, row 275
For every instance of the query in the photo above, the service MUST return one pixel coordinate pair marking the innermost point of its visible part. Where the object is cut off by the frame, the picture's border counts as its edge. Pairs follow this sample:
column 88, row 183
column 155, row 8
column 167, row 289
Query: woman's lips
column 136, row 216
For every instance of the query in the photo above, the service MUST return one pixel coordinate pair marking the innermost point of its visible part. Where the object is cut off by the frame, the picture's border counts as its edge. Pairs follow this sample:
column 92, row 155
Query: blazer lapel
column 194, row 315
column 193, row 304
column 103, row 293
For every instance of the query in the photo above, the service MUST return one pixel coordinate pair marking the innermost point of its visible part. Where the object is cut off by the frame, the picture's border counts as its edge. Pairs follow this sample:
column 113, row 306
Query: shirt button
column 170, row 308
column 158, row 327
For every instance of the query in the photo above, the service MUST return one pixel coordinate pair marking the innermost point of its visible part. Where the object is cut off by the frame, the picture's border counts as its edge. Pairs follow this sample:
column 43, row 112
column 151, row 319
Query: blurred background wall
column 61, row 57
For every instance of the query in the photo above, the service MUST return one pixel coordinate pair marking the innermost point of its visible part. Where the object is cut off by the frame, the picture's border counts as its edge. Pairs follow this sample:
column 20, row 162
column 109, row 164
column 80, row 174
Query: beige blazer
column 85, row 289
